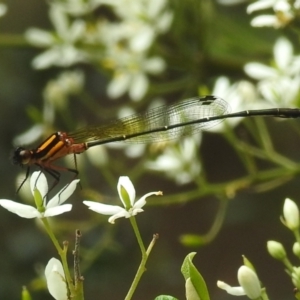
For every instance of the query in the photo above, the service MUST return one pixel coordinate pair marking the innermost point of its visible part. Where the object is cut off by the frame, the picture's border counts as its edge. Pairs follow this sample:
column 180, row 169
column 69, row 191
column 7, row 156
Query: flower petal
column 232, row 290
column 39, row 37
column 57, row 210
column 3, row 9
column 56, row 280
column 250, row 282
column 138, row 86
column 142, row 201
column 22, row 210
column 134, row 212
column 118, row 85
column 121, row 214
column 260, row 5
column 126, row 183
column 259, row 71
column 63, row 194
column 265, row 20
column 283, row 53
column 46, row 59
column 104, row 209
column 38, row 180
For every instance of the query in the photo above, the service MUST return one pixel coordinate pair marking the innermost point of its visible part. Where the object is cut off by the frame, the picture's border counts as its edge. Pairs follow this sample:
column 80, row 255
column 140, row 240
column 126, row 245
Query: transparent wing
column 154, row 125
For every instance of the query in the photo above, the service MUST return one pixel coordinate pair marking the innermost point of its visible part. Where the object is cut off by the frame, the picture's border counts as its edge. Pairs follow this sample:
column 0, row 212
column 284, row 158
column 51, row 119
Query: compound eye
column 21, row 156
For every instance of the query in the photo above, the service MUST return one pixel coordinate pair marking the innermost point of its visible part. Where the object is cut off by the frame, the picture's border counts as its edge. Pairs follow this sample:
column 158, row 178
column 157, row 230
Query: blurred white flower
column 98, row 156
column 155, row 12
column 179, row 161
column 130, row 73
column 68, row 83
column 127, row 196
column 249, row 282
column 52, row 208
column 278, row 84
column 240, row 96
column 81, row 7
column 283, row 10
column 61, row 46
column 30, row 136
column 127, row 42
column 3, row 9
column 56, row 281
column 231, row 2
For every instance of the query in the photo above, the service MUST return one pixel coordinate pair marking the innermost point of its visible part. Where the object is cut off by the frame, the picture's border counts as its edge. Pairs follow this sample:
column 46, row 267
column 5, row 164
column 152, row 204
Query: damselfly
column 159, row 124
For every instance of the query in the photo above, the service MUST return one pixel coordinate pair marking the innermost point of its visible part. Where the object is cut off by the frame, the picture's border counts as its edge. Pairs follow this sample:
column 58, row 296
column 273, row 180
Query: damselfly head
column 21, row 156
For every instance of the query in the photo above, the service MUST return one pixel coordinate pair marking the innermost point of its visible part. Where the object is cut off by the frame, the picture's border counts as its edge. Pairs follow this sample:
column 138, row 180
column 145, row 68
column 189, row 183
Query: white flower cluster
column 122, row 45
column 284, row 12
column 179, row 162
column 279, row 83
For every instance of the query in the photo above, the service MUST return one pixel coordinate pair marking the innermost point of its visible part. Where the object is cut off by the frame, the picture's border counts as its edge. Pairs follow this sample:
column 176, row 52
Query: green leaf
column 189, row 271
column 165, row 297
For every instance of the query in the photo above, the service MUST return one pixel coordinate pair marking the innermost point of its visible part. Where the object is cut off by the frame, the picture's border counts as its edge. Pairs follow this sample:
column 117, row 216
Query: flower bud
column 249, row 281
column 291, row 214
column 296, row 249
column 276, row 250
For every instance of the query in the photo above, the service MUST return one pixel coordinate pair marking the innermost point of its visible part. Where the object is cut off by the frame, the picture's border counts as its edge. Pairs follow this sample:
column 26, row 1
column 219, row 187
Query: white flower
column 153, row 12
column 3, row 9
column 283, row 13
column 249, row 282
column 178, row 162
column 127, row 43
column 82, row 7
column 231, row 2
column 68, row 83
column 56, row 281
column 61, row 43
column 52, row 208
column 127, row 196
column 280, row 83
column 239, row 96
column 30, row 136
column 291, row 214
column 130, row 73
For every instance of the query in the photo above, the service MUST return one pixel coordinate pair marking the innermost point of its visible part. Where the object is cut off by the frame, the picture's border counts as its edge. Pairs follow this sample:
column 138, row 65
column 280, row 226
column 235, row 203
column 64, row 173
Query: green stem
column 288, row 265
column 145, row 255
column 228, row 188
column 138, row 235
column 297, row 236
column 62, row 253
